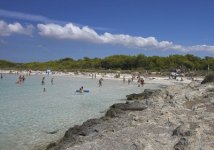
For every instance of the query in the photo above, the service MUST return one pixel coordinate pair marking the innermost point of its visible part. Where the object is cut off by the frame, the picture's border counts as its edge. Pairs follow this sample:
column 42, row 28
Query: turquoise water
column 27, row 113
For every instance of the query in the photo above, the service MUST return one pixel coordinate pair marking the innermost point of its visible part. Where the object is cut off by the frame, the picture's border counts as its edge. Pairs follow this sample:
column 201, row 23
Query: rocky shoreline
column 177, row 117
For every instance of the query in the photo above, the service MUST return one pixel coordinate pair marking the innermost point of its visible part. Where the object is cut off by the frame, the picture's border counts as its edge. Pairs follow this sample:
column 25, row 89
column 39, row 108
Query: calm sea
column 27, row 113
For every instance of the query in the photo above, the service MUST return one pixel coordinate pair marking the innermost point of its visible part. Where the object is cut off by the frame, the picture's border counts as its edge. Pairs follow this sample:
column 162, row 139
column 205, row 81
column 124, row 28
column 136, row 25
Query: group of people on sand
column 21, row 79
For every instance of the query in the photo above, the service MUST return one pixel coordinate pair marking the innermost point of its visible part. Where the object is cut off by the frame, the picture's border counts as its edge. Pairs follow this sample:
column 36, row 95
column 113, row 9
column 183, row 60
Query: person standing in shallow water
column 1, row 76
column 23, row 78
column 52, row 81
column 100, row 82
column 43, row 80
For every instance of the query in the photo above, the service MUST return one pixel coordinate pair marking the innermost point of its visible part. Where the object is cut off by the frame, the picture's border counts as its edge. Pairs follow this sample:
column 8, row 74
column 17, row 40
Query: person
column 20, row 77
column 81, row 89
column 43, row 80
column 44, row 90
column 124, row 79
column 23, row 78
column 52, row 81
column 129, row 80
column 100, row 82
column 141, row 82
column 20, row 80
column 1, row 76
column 30, row 72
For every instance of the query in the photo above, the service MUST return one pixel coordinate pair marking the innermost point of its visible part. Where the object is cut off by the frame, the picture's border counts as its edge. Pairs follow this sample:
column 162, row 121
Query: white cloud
column 29, row 17
column 8, row 29
column 73, row 32
column 69, row 31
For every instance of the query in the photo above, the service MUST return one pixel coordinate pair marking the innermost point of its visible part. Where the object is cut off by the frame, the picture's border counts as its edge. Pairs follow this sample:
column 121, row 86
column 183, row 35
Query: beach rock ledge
column 178, row 117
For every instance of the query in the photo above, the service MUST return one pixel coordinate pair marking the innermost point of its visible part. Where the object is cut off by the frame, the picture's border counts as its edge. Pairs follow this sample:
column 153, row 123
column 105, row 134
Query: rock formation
column 179, row 117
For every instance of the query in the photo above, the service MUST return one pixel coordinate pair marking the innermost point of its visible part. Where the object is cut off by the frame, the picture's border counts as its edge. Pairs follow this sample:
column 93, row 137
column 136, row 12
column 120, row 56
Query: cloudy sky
column 44, row 30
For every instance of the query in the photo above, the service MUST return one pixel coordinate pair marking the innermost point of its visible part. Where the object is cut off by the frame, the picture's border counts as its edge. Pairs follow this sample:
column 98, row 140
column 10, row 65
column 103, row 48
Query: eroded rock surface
column 179, row 117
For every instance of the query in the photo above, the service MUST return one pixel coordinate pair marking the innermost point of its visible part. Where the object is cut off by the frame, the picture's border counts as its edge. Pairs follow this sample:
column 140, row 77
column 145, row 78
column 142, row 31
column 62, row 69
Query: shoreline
column 177, row 117
column 108, row 76
column 98, row 127
column 89, row 127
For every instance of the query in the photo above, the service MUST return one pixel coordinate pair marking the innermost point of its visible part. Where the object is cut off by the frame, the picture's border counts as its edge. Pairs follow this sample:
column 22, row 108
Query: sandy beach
column 106, row 75
column 177, row 116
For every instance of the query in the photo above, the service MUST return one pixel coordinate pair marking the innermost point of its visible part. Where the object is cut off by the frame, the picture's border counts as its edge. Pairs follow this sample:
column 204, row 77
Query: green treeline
column 121, row 62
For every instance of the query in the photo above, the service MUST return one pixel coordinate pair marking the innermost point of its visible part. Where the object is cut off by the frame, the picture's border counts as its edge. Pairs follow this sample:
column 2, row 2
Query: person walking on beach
column 124, row 80
column 1, row 76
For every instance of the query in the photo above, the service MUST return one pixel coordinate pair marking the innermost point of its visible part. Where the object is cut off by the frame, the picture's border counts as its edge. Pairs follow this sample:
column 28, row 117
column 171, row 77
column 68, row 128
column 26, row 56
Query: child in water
column 81, row 89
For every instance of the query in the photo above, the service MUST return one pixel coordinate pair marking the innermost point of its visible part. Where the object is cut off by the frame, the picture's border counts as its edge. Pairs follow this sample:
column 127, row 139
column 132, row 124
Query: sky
column 44, row 30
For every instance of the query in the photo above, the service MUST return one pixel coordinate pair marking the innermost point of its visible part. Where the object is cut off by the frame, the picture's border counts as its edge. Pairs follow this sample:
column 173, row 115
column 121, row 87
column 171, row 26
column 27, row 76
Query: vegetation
column 119, row 62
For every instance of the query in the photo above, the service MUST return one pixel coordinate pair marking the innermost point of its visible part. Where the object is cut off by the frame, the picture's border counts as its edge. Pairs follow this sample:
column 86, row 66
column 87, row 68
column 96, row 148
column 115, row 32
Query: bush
column 208, row 78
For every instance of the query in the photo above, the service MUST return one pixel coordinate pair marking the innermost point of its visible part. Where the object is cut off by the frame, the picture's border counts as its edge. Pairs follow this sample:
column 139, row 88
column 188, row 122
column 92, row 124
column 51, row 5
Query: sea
column 31, row 118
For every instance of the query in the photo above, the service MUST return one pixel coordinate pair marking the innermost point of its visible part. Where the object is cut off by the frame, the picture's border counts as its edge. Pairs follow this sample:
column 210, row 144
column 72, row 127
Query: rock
column 181, row 145
column 134, row 106
column 82, row 130
column 161, row 126
column 144, row 95
column 113, row 112
column 51, row 145
column 138, row 145
column 180, row 131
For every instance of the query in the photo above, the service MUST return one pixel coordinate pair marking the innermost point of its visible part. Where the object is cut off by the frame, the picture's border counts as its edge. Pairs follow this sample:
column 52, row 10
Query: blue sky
column 45, row 30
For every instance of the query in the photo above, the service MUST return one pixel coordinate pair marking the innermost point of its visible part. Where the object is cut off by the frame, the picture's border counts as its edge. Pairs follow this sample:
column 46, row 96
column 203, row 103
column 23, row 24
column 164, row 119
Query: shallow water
column 27, row 113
